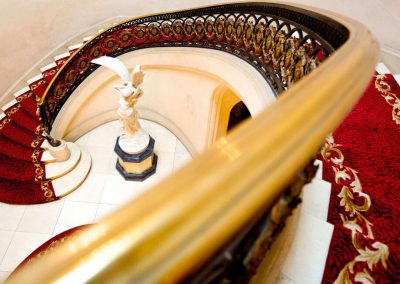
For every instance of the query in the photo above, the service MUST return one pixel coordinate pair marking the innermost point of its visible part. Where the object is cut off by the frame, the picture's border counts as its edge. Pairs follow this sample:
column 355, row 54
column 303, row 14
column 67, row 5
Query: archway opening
column 238, row 113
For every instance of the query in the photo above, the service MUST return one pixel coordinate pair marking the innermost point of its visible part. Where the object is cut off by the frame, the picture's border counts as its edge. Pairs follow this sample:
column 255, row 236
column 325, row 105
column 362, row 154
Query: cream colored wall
column 31, row 29
column 179, row 89
column 223, row 101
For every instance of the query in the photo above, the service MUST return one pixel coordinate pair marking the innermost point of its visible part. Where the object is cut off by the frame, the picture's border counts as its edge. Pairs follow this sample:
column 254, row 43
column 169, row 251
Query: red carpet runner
column 48, row 246
column 362, row 161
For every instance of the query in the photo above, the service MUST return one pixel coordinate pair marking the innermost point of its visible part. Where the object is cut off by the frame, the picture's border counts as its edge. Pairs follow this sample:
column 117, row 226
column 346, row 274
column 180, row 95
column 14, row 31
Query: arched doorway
column 227, row 111
column 238, row 113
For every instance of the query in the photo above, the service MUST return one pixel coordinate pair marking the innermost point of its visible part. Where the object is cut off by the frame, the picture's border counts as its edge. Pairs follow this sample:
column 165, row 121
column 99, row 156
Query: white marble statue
column 133, row 138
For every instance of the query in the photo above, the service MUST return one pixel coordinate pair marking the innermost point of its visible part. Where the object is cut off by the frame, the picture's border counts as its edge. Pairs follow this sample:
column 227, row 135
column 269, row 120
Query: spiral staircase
column 30, row 173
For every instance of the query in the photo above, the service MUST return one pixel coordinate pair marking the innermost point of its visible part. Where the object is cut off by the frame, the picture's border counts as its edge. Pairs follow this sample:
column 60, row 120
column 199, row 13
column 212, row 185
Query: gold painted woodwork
column 176, row 226
column 136, row 168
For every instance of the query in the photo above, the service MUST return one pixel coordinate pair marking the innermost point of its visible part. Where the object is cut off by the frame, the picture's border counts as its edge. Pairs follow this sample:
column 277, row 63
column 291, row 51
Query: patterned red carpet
column 48, row 246
column 362, row 161
column 22, row 174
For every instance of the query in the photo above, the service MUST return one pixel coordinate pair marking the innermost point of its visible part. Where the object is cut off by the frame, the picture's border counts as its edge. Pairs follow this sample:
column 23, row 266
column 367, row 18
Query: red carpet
column 23, row 118
column 49, row 246
column 362, row 161
column 28, row 103
column 18, row 134
column 18, row 192
column 22, row 175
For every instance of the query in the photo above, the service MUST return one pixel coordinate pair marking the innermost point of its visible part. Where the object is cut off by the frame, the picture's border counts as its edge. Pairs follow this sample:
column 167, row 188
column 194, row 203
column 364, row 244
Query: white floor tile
column 305, row 262
column 41, row 218
column 104, row 210
column 101, row 159
column 147, row 184
column 90, row 190
column 165, row 164
column 181, row 159
column 5, row 240
column 180, row 148
column 105, row 135
column 118, row 191
column 10, row 216
column 74, row 214
column 165, row 141
column 20, row 247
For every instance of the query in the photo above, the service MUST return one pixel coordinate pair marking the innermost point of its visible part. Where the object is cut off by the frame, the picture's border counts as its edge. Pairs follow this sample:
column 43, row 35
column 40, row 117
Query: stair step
column 74, row 47
column 381, row 68
column 38, row 85
column 29, row 105
column 58, row 169
column 306, row 259
column 15, row 192
column 9, row 105
column 20, row 170
column 14, row 150
column 18, row 134
column 61, row 58
column 71, row 181
column 316, row 196
column 49, row 71
column 397, row 78
column 318, row 174
column 23, row 119
column 27, row 100
column 21, row 92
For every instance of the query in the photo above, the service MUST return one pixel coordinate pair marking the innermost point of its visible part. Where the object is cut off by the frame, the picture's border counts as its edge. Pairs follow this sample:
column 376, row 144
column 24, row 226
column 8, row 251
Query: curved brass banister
column 174, row 228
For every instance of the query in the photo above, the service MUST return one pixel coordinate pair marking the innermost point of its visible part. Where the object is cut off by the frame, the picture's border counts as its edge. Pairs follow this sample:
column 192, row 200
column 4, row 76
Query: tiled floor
column 24, row 228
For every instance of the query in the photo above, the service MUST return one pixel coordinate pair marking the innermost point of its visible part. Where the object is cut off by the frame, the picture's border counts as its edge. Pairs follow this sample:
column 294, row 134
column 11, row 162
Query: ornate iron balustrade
column 281, row 42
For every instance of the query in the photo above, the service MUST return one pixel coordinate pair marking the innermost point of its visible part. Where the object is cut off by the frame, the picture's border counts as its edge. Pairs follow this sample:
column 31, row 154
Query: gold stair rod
column 174, row 228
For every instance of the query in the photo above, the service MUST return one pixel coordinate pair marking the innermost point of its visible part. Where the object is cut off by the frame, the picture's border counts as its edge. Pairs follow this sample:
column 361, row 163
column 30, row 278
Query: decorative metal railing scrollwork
column 281, row 42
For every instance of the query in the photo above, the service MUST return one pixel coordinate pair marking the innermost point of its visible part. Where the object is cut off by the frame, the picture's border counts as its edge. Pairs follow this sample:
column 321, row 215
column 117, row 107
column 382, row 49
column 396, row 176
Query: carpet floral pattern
column 361, row 160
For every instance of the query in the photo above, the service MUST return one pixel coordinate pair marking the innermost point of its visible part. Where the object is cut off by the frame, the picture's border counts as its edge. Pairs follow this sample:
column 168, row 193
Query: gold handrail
column 174, row 228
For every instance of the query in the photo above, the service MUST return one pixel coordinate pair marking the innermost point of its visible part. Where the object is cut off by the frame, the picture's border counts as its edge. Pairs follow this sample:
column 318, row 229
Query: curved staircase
column 28, row 172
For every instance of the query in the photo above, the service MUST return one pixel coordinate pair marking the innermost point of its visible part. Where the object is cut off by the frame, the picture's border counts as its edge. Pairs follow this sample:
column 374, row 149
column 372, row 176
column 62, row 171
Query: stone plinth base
column 137, row 166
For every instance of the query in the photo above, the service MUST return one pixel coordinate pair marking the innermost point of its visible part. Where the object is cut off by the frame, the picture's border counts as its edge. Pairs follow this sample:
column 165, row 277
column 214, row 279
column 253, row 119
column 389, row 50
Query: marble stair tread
column 381, row 68
column 397, row 78
column 48, row 67
column 9, row 104
column 62, row 56
column 318, row 174
column 87, row 38
column 72, row 180
column 75, row 47
column 22, row 91
column 307, row 255
column 58, row 169
column 34, row 79
column 316, row 196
